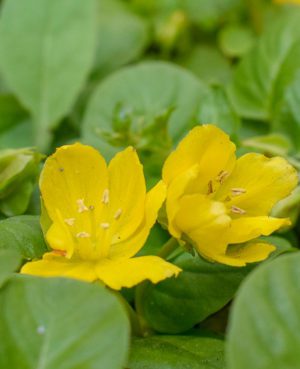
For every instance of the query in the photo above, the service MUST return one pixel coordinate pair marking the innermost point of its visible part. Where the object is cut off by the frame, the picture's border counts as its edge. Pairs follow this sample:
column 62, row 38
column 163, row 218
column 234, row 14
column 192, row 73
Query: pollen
column 83, row 235
column 105, row 196
column 81, row 206
column 237, row 191
column 236, row 210
column 70, row 221
column 105, row 225
column 222, row 176
column 118, row 214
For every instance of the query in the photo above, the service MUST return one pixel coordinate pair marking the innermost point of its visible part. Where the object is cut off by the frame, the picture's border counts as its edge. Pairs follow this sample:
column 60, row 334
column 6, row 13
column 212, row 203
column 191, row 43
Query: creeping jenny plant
column 101, row 216
column 217, row 202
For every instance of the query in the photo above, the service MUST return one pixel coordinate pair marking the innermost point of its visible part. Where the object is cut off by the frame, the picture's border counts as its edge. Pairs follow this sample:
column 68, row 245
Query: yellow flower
column 294, row 2
column 101, row 217
column 218, row 202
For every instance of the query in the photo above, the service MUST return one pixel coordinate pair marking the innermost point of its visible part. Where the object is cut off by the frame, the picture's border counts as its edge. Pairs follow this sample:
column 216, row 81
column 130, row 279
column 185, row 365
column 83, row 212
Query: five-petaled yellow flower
column 218, row 202
column 101, row 216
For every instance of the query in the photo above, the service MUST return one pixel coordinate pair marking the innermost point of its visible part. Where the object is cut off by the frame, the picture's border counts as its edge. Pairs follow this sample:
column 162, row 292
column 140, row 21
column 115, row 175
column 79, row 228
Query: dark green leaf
column 264, row 330
column 61, row 324
column 177, row 352
column 177, row 304
column 23, row 234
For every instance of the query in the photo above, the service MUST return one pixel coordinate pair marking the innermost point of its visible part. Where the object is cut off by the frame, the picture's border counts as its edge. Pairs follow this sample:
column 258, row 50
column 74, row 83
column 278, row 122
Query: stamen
column 61, row 169
column 60, row 252
column 105, row 196
column 236, row 210
column 222, row 176
column 238, row 191
column 81, row 206
column 210, row 188
column 227, row 198
column 70, row 221
column 118, row 214
column 91, row 207
column 105, row 225
column 83, row 235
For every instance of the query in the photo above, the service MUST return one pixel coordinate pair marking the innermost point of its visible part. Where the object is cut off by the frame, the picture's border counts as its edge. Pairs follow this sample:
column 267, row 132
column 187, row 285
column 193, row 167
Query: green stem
column 167, row 249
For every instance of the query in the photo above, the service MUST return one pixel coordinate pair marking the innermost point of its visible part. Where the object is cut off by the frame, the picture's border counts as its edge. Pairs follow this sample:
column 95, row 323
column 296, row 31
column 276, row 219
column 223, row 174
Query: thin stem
column 167, row 249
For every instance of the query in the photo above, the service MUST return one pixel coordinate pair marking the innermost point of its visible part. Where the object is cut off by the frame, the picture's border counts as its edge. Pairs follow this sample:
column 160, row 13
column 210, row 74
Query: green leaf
column 202, row 288
column 235, row 40
column 23, row 234
column 264, row 331
column 143, row 106
column 121, row 36
column 9, row 263
column 207, row 63
column 287, row 120
column 261, row 77
column 61, row 324
column 18, row 173
column 198, row 351
column 53, row 43
column 215, row 108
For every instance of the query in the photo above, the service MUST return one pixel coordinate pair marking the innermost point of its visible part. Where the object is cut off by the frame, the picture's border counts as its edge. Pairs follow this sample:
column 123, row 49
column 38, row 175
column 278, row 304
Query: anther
column 210, row 188
column 222, row 176
column 70, row 221
column 91, row 207
column 105, row 225
column 236, row 210
column 237, row 191
column 60, row 252
column 105, row 196
column 118, row 214
column 81, row 206
column 61, row 169
column 83, row 235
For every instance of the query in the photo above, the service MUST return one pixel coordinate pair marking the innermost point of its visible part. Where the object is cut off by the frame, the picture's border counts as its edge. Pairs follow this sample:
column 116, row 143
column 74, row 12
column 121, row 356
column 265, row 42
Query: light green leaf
column 61, row 324
column 197, row 351
column 53, row 44
column 9, row 263
column 202, row 288
column 262, row 75
column 24, row 235
column 215, row 108
column 121, row 36
column 264, row 331
column 207, row 63
column 235, row 40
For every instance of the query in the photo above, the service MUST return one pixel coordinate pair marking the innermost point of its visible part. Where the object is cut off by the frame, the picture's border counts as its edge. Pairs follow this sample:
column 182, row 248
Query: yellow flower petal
column 127, row 193
column 245, row 229
column 130, row 246
column 207, row 146
column 129, row 272
column 204, row 222
column 176, row 190
column 57, row 266
column 242, row 254
column 73, row 179
column 264, row 182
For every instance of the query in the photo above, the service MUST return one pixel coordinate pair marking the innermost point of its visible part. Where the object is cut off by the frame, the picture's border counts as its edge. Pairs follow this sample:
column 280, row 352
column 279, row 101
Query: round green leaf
column 24, row 235
column 61, row 324
column 264, row 331
column 53, row 45
column 9, row 263
column 198, row 351
column 202, row 288
column 142, row 100
column 261, row 77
